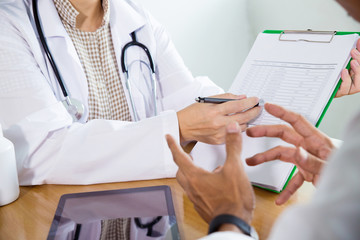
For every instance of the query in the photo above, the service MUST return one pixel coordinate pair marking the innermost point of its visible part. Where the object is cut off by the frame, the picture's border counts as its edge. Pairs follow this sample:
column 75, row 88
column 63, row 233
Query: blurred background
column 215, row 36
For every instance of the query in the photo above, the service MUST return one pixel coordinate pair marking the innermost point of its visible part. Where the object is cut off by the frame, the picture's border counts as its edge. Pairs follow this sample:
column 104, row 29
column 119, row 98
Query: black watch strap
column 227, row 218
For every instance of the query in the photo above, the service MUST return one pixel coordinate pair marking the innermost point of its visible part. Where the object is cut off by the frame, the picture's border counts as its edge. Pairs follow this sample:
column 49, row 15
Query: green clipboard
column 325, row 109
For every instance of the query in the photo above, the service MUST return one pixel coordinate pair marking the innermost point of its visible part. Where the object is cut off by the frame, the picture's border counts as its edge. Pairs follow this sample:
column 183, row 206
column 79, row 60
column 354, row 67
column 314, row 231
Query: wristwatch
column 231, row 219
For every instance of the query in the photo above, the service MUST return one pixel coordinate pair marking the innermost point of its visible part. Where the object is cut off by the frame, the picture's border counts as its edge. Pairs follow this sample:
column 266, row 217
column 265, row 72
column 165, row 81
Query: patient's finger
column 294, row 184
column 308, row 162
column 283, row 132
column 286, row 154
column 182, row 159
column 299, row 123
column 182, row 179
column 344, row 88
column 233, row 144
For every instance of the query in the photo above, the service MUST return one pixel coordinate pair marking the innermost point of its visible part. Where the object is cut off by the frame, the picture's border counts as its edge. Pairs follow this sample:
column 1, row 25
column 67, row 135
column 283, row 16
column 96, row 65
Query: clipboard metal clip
column 322, row 39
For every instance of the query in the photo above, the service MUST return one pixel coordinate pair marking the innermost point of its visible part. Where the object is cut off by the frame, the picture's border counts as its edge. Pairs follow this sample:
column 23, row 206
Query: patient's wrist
column 229, row 227
column 228, row 222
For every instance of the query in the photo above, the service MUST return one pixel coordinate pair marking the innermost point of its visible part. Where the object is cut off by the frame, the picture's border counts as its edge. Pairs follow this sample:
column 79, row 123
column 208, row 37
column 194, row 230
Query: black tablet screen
column 137, row 213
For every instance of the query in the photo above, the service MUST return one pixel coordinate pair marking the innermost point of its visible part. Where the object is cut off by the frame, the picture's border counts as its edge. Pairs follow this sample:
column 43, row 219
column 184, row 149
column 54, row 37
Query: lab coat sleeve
column 51, row 149
column 178, row 86
column 334, row 211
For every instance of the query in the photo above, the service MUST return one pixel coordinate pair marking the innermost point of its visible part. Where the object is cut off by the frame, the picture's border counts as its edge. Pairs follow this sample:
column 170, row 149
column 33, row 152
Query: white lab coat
column 50, row 148
column 334, row 211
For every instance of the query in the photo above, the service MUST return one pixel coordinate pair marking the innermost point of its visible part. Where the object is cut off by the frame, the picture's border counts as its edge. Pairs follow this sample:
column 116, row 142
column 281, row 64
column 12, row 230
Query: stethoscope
column 148, row 226
column 74, row 107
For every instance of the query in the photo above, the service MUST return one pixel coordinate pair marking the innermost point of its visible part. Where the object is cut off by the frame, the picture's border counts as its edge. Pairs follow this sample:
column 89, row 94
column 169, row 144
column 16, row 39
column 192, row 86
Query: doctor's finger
column 285, row 154
column 182, row 159
column 244, row 117
column 355, row 54
column 294, row 184
column 355, row 78
column 344, row 88
column 358, row 45
column 230, row 96
column 297, row 121
column 238, row 106
column 284, row 132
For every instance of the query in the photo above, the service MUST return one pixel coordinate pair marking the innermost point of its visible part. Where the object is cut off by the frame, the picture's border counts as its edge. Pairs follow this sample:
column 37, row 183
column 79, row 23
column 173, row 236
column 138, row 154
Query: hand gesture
column 227, row 190
column 303, row 136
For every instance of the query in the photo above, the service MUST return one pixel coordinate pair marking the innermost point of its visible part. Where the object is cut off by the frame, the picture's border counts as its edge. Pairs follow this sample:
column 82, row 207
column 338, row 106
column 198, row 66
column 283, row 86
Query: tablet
column 136, row 213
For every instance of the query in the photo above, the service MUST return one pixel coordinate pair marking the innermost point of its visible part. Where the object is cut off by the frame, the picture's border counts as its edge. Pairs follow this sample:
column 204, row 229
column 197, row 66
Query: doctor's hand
column 206, row 122
column 226, row 190
column 311, row 148
column 351, row 78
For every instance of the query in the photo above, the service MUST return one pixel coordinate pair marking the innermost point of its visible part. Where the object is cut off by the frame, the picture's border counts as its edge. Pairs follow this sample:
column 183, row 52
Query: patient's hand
column 226, row 190
column 311, row 147
column 351, row 78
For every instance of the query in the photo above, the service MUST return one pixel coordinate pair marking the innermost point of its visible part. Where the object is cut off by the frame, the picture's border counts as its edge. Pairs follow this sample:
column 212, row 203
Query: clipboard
column 303, row 77
column 331, row 35
column 310, row 31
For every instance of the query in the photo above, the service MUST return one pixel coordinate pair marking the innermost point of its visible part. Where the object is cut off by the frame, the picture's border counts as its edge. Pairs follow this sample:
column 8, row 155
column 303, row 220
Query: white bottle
column 9, row 182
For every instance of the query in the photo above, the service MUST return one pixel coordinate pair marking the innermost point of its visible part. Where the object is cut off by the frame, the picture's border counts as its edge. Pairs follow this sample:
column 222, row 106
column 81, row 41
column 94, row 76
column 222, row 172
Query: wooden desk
column 31, row 215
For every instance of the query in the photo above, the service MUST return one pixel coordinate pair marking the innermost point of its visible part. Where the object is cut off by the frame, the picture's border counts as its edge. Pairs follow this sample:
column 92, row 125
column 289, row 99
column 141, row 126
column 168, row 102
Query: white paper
column 300, row 76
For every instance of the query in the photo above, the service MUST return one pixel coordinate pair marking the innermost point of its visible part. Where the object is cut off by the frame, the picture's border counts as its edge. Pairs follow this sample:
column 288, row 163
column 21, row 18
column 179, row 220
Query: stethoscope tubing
column 46, row 48
column 125, row 70
column 134, row 42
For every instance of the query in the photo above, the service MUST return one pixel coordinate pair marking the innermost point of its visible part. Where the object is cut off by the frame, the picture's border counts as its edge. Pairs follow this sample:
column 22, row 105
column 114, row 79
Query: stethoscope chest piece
column 74, row 107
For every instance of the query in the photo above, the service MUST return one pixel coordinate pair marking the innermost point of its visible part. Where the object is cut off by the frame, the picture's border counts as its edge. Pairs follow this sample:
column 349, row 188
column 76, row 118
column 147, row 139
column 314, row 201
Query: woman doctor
column 85, row 38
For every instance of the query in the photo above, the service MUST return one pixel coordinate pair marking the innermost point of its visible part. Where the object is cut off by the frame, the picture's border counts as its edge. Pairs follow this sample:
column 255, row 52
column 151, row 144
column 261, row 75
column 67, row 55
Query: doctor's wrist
column 184, row 135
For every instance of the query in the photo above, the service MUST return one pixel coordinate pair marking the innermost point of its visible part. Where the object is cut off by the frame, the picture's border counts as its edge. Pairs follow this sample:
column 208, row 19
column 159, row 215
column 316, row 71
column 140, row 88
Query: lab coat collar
column 121, row 12
column 50, row 19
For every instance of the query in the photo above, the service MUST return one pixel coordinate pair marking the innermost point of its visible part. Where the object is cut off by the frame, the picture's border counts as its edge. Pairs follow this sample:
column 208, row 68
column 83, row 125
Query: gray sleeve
column 334, row 211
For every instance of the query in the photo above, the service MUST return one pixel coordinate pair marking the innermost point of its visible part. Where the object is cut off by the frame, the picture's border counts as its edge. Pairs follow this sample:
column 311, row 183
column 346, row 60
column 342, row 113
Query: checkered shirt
column 96, row 52
column 115, row 229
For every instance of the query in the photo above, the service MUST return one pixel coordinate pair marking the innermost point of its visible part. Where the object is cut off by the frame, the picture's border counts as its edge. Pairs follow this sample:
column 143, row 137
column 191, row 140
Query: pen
column 223, row 100
column 213, row 100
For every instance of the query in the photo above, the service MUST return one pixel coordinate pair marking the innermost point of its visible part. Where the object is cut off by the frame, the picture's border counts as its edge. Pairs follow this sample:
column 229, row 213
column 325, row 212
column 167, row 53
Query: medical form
column 300, row 76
